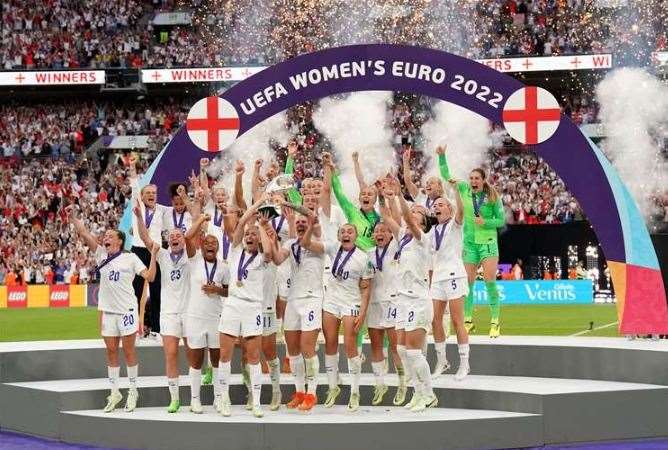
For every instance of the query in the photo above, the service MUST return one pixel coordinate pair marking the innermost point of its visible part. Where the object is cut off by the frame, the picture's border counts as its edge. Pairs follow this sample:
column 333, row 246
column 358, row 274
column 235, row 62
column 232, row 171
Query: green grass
column 550, row 320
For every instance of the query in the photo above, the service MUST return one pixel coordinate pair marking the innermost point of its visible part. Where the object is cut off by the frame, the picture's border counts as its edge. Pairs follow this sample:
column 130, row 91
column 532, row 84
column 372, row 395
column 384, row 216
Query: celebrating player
column 433, row 187
column 449, row 284
column 346, row 301
column 119, row 322
column 242, row 313
column 175, row 294
column 303, row 314
column 415, row 309
column 483, row 214
column 209, row 277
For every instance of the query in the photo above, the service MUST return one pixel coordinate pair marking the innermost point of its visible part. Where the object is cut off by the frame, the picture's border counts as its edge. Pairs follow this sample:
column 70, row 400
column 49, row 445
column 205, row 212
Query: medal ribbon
column 242, row 271
column 337, row 269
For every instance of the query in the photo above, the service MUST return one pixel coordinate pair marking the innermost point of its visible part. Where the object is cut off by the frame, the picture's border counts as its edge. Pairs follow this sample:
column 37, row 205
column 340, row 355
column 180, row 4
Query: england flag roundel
column 212, row 124
column 531, row 115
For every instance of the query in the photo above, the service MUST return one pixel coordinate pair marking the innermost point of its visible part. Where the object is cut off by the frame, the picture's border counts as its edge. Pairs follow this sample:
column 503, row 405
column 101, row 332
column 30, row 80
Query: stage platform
column 523, row 392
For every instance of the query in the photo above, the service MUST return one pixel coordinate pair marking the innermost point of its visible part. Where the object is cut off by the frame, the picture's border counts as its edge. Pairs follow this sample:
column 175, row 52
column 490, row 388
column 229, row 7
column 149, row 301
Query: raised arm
column 408, row 175
column 443, row 163
column 358, row 171
column 307, row 241
column 326, row 194
column 238, row 234
column 256, row 182
column 239, row 170
column 293, row 194
column 141, row 226
column 408, row 218
column 204, row 179
column 459, row 214
column 265, row 240
column 193, row 234
column 80, row 228
column 149, row 274
column 385, row 213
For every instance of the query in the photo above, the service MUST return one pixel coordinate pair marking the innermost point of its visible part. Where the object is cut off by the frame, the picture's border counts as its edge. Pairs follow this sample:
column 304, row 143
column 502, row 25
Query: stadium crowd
column 119, row 33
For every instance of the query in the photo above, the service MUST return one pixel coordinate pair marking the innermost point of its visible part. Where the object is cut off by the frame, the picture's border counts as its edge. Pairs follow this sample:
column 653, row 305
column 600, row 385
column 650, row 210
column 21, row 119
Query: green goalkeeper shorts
column 477, row 253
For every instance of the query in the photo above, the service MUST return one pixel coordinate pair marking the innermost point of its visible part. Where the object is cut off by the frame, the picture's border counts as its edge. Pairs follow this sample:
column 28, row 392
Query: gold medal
column 240, row 283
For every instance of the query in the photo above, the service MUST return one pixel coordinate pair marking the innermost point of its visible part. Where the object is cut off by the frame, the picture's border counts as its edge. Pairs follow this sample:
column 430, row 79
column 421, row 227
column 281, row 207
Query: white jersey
column 174, row 282
column 270, row 285
column 154, row 220
column 344, row 286
column 330, row 225
column 385, row 277
column 306, row 272
column 423, row 200
column 414, row 263
column 281, row 227
column 116, row 294
column 172, row 220
column 447, row 262
column 252, row 273
column 200, row 304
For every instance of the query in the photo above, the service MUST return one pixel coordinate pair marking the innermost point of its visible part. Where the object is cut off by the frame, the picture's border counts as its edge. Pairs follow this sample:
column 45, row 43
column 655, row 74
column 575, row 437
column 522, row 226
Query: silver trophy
column 280, row 184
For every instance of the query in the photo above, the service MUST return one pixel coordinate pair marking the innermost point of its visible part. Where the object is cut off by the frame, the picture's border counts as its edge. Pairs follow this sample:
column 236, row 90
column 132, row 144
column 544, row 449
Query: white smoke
column 252, row 145
column 358, row 123
column 634, row 114
column 466, row 134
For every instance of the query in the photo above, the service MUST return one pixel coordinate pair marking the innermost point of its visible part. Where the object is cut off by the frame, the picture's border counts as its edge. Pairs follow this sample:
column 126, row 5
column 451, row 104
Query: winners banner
column 538, row 292
column 52, row 78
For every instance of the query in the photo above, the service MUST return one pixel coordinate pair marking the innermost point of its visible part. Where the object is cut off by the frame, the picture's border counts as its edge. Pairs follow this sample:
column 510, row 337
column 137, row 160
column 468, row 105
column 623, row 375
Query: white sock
column 440, row 352
column 421, row 368
column 173, row 384
column 332, row 369
column 299, row 372
column 216, row 376
column 401, row 349
column 223, row 379
column 312, row 370
column 195, row 382
column 132, row 376
column 425, row 347
column 378, row 368
column 256, row 382
column 464, row 350
column 354, row 368
column 114, row 374
column 275, row 373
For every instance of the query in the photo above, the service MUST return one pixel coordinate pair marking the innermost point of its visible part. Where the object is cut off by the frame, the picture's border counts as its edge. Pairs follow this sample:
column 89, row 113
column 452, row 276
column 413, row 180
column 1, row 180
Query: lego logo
column 59, row 296
column 16, row 296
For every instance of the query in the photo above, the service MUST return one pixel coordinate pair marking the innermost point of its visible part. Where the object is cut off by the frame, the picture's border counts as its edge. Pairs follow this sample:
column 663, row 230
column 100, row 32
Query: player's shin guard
column 468, row 306
column 493, row 295
column 332, row 369
column 223, row 380
column 421, row 367
column 355, row 368
column 378, row 368
column 173, row 384
column 195, row 382
column 255, row 373
column 275, row 374
column 298, row 371
column 312, row 370
column 401, row 349
column 216, row 377
column 114, row 373
column 133, row 372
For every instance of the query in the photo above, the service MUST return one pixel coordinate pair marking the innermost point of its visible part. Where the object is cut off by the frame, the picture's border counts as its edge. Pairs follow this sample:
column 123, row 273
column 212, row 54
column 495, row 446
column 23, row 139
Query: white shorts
column 241, row 318
column 202, row 333
column 340, row 309
column 381, row 315
column 172, row 324
column 116, row 325
column 303, row 314
column 283, row 280
column 451, row 289
column 419, row 314
column 269, row 323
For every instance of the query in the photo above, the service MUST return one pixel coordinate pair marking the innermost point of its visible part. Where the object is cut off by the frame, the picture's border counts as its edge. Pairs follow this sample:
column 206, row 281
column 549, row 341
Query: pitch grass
column 549, row 320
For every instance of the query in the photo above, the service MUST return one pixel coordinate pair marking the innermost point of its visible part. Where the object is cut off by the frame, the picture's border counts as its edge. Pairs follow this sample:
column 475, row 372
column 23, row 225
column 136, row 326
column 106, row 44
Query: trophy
column 281, row 184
